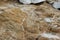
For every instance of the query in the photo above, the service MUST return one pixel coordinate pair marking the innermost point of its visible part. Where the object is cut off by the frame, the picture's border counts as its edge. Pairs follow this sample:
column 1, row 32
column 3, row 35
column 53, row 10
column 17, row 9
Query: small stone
column 56, row 5
column 31, row 1
column 49, row 35
column 47, row 19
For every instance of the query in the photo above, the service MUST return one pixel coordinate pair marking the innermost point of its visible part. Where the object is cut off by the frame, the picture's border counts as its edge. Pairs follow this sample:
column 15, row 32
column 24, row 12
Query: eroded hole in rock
column 58, row 8
column 19, row 2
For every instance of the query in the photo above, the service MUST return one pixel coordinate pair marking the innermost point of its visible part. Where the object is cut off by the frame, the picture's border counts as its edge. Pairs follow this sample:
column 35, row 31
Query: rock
column 31, row 1
column 26, row 22
column 48, row 19
column 56, row 5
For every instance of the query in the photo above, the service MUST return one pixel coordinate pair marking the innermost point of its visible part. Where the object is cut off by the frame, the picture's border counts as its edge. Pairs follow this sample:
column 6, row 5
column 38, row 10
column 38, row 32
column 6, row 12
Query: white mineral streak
column 48, row 19
column 49, row 35
column 2, row 7
column 30, row 1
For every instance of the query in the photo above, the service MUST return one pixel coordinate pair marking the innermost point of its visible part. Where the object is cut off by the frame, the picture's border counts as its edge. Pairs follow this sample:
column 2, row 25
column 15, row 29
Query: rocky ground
column 28, row 22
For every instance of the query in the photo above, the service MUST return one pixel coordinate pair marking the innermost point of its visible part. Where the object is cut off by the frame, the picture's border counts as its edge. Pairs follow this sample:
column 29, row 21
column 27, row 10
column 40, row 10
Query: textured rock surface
column 29, row 22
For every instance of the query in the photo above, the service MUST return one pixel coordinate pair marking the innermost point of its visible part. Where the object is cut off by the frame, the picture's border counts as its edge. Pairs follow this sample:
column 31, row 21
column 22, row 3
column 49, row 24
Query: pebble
column 31, row 1
column 47, row 19
column 56, row 5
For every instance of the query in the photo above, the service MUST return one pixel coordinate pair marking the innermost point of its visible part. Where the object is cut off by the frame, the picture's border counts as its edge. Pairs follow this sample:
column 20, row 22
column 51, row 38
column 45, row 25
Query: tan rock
column 26, row 22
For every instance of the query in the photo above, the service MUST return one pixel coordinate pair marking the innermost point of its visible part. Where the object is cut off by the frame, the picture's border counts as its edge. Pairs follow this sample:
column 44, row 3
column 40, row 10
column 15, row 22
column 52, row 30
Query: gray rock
column 56, row 5
column 31, row 1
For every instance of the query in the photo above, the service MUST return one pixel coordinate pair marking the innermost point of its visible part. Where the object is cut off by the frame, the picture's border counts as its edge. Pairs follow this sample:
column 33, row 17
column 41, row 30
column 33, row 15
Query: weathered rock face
column 29, row 22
